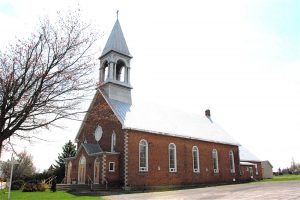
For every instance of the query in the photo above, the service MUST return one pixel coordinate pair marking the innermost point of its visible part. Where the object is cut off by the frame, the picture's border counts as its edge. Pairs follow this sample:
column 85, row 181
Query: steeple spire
column 116, row 41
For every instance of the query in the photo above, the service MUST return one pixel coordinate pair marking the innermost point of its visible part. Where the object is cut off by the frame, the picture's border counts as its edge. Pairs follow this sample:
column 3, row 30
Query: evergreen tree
column 69, row 150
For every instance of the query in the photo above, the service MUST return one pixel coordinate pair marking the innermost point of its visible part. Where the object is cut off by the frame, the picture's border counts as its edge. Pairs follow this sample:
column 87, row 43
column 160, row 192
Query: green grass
column 287, row 177
column 48, row 195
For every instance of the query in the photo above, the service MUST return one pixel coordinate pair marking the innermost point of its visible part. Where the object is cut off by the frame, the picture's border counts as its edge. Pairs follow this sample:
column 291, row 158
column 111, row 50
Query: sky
column 238, row 58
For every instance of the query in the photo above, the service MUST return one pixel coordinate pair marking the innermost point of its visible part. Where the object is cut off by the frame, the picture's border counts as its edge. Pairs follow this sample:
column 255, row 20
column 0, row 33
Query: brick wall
column 245, row 172
column 158, row 168
column 113, row 177
column 89, row 166
column 101, row 114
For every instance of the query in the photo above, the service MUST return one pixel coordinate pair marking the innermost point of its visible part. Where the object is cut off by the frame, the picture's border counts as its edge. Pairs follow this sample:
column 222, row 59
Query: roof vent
column 207, row 113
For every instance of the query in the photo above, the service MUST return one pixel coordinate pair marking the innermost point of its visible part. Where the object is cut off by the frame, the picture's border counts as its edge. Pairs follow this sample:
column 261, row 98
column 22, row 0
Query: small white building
column 267, row 169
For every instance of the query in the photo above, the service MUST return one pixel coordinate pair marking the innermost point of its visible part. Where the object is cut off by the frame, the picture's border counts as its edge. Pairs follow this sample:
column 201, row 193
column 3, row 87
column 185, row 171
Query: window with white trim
column 196, row 166
column 143, row 156
column 215, row 161
column 172, row 158
column 111, row 166
column 231, row 160
column 113, row 142
column 256, row 169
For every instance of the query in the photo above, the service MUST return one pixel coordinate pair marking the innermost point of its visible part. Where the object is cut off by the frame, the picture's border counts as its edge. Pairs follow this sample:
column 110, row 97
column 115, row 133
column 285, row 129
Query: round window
column 98, row 133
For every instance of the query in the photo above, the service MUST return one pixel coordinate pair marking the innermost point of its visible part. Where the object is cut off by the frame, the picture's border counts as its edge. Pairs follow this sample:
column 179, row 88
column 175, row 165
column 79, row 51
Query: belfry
column 115, row 67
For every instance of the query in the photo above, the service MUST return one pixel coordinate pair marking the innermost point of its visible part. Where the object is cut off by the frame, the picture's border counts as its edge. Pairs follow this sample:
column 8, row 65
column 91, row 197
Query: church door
column 251, row 172
column 96, row 171
column 69, row 173
column 81, row 170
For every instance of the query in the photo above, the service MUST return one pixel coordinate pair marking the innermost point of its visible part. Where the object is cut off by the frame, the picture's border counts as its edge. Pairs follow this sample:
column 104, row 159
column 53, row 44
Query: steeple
column 116, row 42
column 115, row 67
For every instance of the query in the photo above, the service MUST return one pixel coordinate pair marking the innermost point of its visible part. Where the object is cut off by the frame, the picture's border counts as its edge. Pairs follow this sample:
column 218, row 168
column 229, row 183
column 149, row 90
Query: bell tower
column 115, row 67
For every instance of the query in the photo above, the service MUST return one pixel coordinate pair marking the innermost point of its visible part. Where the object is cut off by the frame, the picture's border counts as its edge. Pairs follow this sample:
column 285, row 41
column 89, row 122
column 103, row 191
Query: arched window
column 81, row 170
column 120, row 71
column 105, row 71
column 82, row 160
column 172, row 158
column 215, row 161
column 143, row 156
column 231, row 160
column 113, row 142
column 196, row 166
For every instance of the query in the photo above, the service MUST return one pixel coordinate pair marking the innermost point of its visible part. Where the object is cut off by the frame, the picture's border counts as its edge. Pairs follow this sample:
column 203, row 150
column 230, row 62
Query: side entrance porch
column 92, row 166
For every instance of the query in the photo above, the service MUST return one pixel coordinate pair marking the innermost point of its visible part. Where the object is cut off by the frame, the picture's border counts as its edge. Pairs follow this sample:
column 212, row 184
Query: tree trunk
column 0, row 148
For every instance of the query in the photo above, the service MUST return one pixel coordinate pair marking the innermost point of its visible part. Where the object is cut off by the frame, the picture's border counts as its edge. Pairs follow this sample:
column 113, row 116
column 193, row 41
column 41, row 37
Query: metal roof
column 158, row 119
column 246, row 155
column 116, row 41
column 92, row 148
column 246, row 163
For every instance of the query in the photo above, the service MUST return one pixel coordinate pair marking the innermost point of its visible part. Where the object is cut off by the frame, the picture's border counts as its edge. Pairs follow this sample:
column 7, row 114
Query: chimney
column 207, row 113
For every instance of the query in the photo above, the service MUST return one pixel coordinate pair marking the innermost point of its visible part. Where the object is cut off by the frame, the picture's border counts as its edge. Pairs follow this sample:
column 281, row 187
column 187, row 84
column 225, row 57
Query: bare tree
column 44, row 79
column 23, row 169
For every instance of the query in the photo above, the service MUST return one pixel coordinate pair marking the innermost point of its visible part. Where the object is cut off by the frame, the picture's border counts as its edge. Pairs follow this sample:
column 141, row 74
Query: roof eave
column 180, row 136
column 241, row 160
column 126, row 55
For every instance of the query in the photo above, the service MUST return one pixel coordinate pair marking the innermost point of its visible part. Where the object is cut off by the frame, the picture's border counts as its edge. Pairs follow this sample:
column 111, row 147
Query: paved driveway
column 271, row 190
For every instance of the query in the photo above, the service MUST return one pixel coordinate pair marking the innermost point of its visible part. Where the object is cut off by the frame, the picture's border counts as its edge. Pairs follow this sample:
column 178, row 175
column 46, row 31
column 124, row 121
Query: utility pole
column 11, row 174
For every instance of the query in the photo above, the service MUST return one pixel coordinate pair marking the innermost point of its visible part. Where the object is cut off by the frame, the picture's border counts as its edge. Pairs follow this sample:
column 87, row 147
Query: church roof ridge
column 116, row 41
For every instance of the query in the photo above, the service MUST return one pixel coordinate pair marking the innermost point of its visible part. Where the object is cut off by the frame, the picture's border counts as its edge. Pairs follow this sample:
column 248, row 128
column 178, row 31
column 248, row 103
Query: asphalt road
column 269, row 190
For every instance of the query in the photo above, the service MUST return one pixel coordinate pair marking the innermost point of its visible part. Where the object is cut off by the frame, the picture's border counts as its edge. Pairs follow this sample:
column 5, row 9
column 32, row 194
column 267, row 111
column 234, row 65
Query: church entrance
column 81, row 170
column 96, row 171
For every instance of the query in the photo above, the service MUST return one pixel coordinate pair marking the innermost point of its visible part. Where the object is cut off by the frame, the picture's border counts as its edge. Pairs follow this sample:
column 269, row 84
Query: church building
column 132, row 144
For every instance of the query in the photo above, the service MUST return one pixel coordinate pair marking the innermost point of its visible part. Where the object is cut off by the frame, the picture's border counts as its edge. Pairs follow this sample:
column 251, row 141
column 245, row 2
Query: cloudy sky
column 239, row 58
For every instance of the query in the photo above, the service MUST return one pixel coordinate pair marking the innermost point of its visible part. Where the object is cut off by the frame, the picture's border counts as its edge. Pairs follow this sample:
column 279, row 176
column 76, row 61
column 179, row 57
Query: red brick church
column 132, row 145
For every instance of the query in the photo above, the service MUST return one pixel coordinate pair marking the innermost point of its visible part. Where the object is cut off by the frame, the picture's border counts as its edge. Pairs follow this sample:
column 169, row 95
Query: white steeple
column 115, row 67
column 116, row 42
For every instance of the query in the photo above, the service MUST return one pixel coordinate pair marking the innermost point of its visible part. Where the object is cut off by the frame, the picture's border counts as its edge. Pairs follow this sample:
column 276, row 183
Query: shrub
column 17, row 184
column 42, row 187
column 33, row 186
column 30, row 187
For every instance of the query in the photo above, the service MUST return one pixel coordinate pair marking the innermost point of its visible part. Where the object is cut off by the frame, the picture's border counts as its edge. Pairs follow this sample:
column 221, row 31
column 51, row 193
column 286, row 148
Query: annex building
column 133, row 145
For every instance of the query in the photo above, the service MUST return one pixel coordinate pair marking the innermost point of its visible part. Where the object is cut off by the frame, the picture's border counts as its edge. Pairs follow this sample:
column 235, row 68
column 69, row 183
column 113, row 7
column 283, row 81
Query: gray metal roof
column 246, row 163
column 163, row 120
column 116, row 41
column 92, row 148
column 246, row 155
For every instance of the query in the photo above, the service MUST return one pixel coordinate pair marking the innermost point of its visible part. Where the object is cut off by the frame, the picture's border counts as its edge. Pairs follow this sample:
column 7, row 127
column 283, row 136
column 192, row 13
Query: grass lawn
column 288, row 177
column 48, row 195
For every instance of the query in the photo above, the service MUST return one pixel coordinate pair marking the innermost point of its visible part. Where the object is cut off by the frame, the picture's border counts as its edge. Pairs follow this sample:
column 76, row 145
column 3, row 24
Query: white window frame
column 174, row 169
column 231, row 160
column 113, row 142
column 113, row 164
column 196, row 170
column 256, row 169
column 143, row 169
column 215, row 156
